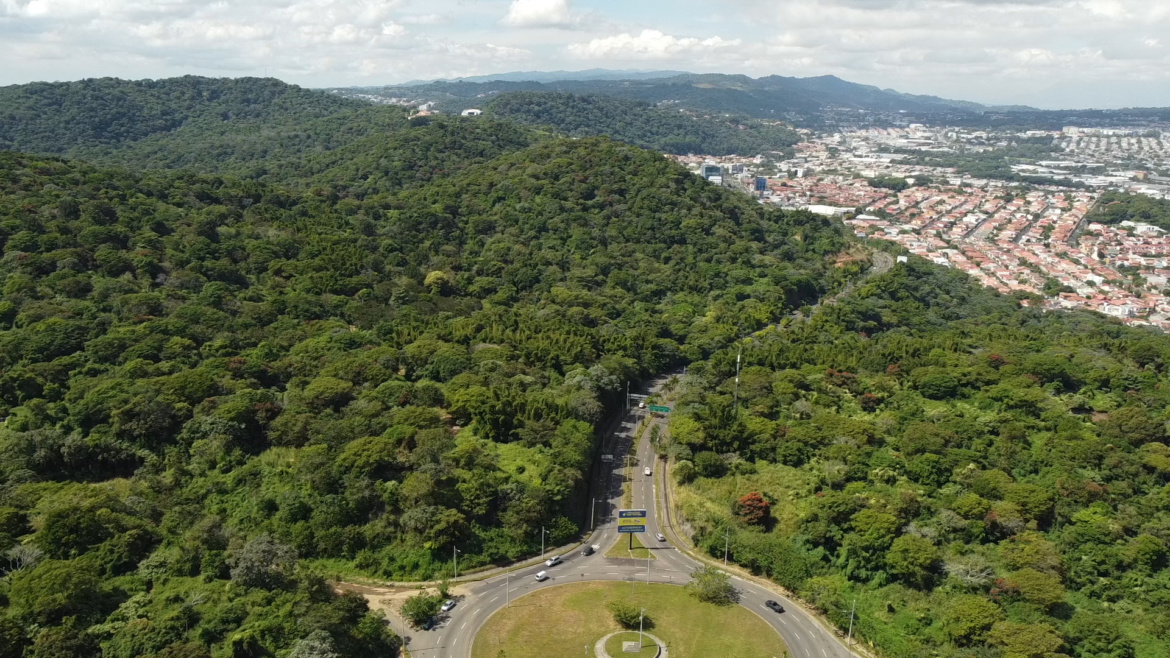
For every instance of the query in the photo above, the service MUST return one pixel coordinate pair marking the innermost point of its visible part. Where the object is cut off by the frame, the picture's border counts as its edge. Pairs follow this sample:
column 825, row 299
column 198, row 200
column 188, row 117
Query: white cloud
column 539, row 13
column 1090, row 52
column 649, row 44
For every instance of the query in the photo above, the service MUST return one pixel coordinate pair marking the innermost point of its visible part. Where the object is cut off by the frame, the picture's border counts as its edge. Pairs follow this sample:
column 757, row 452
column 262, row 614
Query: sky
column 1045, row 53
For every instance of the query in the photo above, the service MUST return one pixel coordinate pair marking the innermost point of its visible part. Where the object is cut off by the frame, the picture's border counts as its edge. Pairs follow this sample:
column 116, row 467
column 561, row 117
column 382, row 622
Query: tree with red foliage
column 753, row 509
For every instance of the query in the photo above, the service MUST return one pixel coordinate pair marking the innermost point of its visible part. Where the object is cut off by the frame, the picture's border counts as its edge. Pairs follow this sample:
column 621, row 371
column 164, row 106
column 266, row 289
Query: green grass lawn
column 621, row 548
column 563, row 620
column 614, row 646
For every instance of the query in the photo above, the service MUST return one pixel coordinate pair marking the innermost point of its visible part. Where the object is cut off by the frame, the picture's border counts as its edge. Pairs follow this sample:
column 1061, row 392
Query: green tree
column 913, row 560
column 1025, row 640
column 421, row 608
column 967, row 619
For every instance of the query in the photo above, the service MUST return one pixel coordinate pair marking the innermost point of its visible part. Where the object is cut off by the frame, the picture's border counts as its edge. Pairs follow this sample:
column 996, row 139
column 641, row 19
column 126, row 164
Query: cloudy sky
column 1048, row 53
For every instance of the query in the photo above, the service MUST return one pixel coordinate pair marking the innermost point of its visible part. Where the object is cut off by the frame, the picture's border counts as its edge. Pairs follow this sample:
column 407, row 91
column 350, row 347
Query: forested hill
column 214, row 389
column 642, row 124
column 259, row 129
column 98, row 115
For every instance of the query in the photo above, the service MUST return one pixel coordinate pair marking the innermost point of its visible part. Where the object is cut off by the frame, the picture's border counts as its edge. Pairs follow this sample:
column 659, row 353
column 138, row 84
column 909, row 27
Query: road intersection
column 805, row 636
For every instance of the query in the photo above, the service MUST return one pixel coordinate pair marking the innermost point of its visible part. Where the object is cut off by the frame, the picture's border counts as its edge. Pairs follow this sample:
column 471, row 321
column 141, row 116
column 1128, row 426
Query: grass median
column 568, row 620
column 621, row 548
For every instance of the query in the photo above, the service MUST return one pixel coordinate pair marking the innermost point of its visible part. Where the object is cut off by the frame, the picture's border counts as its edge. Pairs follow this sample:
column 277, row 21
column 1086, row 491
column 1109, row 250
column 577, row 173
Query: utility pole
column 627, row 396
column 455, row 554
column 542, row 542
column 851, row 612
column 726, row 540
column 738, row 358
column 593, row 513
column 508, row 591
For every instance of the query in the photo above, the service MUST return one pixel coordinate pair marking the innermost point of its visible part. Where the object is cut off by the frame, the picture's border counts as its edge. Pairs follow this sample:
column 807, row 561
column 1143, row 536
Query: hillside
column 259, row 129
column 95, row 116
column 215, row 390
column 641, row 124
column 982, row 480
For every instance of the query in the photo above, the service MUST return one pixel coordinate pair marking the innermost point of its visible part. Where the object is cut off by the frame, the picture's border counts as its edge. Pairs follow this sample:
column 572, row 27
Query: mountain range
column 767, row 97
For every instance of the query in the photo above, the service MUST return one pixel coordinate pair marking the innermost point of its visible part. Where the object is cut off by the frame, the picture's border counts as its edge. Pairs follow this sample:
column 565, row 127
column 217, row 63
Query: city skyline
column 1044, row 53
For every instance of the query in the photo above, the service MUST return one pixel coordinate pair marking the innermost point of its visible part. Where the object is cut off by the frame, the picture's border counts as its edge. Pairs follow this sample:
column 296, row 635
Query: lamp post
column 542, row 533
column 726, row 541
column 455, row 555
column 851, row 613
column 641, row 615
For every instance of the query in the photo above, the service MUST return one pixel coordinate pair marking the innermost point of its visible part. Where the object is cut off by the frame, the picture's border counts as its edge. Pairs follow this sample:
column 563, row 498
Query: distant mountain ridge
column 766, row 97
column 556, row 76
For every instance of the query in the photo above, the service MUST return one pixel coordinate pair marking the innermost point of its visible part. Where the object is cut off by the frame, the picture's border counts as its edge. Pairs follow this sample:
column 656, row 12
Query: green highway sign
column 659, row 410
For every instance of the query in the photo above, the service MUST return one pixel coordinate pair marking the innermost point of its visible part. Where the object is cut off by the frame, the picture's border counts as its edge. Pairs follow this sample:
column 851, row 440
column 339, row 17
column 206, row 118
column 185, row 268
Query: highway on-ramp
column 455, row 633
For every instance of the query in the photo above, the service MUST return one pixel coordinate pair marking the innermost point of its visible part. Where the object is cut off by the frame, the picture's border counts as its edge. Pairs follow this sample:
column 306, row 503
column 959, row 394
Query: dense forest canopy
column 258, row 129
column 215, row 389
column 984, row 480
column 663, row 129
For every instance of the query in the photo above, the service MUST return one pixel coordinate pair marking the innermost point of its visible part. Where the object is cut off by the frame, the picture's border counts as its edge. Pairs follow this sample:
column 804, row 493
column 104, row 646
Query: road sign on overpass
column 631, row 520
column 659, row 410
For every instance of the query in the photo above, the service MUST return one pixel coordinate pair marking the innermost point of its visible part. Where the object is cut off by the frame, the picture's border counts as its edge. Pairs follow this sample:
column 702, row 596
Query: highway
column 455, row 634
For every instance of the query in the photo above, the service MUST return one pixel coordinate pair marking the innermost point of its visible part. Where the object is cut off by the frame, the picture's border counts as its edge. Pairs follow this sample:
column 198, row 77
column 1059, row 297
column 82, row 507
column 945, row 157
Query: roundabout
column 559, row 609
column 574, row 620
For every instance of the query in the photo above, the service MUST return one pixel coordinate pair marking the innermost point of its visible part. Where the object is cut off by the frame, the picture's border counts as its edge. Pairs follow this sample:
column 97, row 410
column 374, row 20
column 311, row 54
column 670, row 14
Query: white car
column 552, row 561
column 541, row 576
column 660, row 537
column 641, row 405
column 447, row 606
column 646, row 471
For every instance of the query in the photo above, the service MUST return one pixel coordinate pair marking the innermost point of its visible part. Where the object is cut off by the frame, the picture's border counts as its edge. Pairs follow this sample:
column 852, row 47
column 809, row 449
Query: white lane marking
column 463, row 627
column 493, row 600
column 455, row 641
column 826, row 653
column 796, row 635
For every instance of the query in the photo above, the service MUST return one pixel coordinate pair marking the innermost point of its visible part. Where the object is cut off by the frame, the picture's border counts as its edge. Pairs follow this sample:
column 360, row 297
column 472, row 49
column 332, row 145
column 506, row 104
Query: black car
column 774, row 606
column 588, row 550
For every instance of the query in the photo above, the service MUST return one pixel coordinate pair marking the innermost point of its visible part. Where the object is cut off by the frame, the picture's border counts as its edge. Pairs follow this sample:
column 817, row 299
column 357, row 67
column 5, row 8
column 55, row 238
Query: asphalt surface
column 454, row 635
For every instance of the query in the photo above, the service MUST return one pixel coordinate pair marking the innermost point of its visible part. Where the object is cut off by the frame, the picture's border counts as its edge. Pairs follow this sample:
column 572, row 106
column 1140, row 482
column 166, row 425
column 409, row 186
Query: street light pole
column 738, row 357
column 542, row 542
column 455, row 555
column 593, row 513
column 726, row 539
column 508, row 591
column 640, row 616
column 851, row 612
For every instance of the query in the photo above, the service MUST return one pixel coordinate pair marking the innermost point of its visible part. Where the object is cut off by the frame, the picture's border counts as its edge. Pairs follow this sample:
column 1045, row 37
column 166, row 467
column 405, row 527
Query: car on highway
column 641, row 405
column 660, row 537
column 646, row 471
column 588, row 550
column 541, row 576
column 552, row 561
column 776, row 607
column 448, row 605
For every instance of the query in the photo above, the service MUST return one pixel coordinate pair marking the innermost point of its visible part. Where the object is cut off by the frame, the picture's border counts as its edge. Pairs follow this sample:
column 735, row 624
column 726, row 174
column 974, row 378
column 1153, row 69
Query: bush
column 711, row 585
column 709, row 465
column 626, row 614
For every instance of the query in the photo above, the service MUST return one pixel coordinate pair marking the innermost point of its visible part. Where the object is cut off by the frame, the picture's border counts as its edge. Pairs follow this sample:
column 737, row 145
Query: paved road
column 454, row 636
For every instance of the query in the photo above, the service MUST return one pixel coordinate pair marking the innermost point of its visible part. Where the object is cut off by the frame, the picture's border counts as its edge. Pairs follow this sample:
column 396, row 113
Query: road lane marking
column 463, row 627
column 826, row 653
